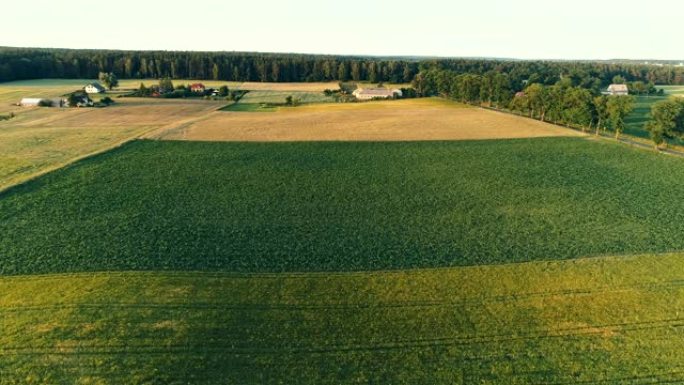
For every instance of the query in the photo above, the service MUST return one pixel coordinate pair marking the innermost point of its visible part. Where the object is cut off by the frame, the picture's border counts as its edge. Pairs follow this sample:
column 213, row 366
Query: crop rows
column 273, row 207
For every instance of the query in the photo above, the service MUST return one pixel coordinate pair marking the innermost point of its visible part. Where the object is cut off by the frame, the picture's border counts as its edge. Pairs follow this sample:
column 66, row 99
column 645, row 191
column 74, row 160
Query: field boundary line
column 6, row 189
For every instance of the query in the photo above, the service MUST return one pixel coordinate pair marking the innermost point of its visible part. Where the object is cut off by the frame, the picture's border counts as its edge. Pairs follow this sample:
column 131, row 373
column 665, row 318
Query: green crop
column 336, row 206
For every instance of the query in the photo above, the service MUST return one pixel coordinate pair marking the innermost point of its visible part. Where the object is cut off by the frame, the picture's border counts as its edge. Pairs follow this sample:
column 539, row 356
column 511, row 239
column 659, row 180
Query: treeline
column 587, row 74
column 28, row 63
column 33, row 63
column 565, row 102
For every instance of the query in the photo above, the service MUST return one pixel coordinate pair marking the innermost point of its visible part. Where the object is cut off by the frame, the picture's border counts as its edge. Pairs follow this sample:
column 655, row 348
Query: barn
column 94, row 88
column 618, row 89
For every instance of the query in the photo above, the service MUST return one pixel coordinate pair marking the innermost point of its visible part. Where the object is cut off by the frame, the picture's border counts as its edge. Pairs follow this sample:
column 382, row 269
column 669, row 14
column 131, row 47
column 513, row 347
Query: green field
column 263, row 101
column 637, row 120
column 274, row 207
column 592, row 321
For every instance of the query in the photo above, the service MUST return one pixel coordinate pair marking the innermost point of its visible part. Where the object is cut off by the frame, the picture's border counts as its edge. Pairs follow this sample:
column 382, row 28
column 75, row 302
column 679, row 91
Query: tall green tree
column 109, row 79
column 538, row 96
column 577, row 107
column 667, row 121
column 618, row 107
column 600, row 111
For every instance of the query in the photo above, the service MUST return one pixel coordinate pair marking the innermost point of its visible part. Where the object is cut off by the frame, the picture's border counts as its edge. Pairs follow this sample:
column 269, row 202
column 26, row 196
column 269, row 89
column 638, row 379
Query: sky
column 524, row 29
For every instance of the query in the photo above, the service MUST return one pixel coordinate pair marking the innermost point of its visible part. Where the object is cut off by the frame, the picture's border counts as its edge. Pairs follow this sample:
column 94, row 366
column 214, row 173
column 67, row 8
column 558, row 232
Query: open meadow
column 410, row 119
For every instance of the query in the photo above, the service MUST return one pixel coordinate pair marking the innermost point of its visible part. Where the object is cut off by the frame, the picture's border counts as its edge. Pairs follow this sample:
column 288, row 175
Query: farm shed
column 618, row 89
column 375, row 93
column 94, row 88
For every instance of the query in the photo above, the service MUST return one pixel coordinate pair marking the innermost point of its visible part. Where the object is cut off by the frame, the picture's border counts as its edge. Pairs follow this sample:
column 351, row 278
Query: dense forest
column 32, row 63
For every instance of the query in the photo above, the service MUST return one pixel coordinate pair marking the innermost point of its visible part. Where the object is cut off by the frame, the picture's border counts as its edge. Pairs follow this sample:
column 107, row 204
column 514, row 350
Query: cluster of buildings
column 92, row 88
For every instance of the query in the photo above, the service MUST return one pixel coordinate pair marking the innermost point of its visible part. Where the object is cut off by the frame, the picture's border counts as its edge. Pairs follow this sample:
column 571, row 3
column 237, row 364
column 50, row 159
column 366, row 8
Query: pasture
column 613, row 320
column 636, row 121
column 264, row 101
column 397, row 120
column 341, row 206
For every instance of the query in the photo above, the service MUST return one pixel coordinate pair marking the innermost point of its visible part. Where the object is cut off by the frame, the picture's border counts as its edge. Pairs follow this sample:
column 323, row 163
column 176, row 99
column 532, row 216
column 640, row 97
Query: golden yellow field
column 38, row 140
column 411, row 119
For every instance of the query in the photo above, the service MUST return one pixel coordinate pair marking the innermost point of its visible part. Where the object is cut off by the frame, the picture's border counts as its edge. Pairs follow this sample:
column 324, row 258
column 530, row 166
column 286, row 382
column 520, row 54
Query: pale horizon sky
column 523, row 29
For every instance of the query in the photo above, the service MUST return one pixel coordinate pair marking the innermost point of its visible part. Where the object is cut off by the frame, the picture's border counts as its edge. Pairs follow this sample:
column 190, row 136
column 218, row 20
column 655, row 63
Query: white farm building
column 617, row 89
column 376, row 93
column 94, row 88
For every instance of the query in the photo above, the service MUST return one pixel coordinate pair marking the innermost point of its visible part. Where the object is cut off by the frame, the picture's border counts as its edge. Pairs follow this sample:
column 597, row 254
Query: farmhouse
column 94, row 88
column 35, row 102
column 197, row 87
column 617, row 89
column 375, row 93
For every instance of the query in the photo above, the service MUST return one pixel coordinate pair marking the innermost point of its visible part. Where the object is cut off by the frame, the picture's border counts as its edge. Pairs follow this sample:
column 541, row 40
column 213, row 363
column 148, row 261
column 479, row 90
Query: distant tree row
column 563, row 102
column 27, row 63
column 32, row 63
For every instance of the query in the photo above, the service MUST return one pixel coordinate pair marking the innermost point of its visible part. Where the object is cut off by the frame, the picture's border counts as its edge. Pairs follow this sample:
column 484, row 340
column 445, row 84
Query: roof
column 31, row 100
column 618, row 88
column 96, row 85
column 197, row 85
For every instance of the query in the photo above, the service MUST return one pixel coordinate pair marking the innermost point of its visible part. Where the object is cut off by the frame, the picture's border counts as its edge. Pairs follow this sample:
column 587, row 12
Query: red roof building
column 197, row 87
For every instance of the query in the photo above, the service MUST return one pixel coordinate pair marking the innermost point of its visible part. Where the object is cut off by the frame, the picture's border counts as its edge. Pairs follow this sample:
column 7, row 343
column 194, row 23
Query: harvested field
column 415, row 119
column 41, row 139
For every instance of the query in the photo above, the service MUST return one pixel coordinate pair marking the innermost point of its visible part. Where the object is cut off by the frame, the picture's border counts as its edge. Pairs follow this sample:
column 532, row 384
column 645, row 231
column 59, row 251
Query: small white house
column 94, row 88
column 617, row 89
column 376, row 93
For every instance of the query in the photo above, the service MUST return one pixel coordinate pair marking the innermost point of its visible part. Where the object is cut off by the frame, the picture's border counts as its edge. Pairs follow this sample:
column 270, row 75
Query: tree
column 577, row 107
column 600, row 104
column 520, row 103
column 667, row 120
column 618, row 107
column 618, row 79
column 165, row 85
column 223, row 91
column 538, row 96
column 288, row 100
column 109, row 79
column 343, row 72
